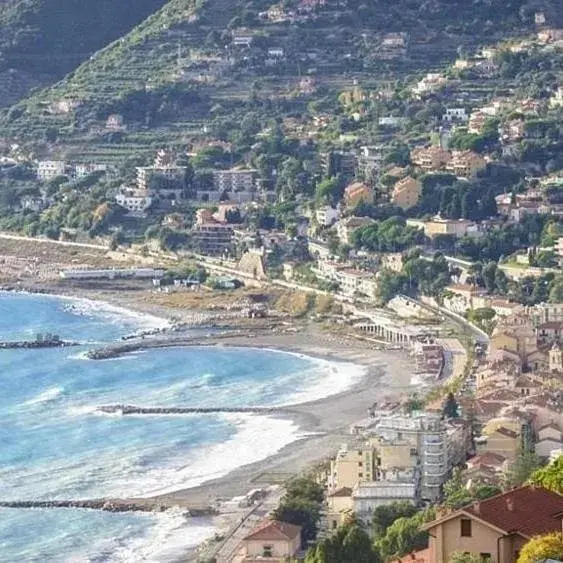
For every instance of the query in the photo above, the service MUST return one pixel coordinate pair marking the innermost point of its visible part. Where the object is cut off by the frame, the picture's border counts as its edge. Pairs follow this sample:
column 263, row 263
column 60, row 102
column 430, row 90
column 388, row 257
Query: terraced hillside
column 180, row 66
column 42, row 40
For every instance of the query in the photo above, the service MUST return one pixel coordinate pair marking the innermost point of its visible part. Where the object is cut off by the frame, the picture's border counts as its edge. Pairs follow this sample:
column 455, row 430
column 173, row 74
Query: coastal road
column 250, row 519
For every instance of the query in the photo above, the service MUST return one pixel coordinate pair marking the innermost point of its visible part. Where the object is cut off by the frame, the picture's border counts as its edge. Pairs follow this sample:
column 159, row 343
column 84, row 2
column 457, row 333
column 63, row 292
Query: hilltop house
column 357, row 192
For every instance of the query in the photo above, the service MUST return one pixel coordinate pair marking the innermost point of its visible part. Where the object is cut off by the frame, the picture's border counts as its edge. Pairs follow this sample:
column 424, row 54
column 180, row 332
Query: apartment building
column 134, row 200
column 210, row 236
column 352, row 465
column 234, row 180
column 465, row 164
column 426, row 434
column 406, row 192
column 430, row 159
column 172, row 184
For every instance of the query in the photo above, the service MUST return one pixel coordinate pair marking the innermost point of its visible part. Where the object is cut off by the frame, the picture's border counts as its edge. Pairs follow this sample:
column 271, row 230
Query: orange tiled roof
column 274, row 530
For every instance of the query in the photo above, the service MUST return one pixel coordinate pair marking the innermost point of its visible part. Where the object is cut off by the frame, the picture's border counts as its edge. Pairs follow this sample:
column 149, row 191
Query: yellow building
column 501, row 441
column 276, row 541
column 406, row 192
column 465, row 163
column 495, row 529
column 357, row 192
column 340, row 505
column 352, row 466
column 430, row 159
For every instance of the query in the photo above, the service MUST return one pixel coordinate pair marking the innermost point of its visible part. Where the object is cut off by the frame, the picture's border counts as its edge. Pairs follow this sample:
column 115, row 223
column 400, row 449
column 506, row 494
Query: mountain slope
column 48, row 38
column 180, row 61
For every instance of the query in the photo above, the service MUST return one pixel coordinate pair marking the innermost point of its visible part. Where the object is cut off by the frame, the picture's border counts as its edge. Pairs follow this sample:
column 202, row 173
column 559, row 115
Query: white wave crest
column 47, row 396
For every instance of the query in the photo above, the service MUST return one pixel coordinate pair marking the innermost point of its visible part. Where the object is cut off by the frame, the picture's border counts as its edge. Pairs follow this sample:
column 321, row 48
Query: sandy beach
column 324, row 424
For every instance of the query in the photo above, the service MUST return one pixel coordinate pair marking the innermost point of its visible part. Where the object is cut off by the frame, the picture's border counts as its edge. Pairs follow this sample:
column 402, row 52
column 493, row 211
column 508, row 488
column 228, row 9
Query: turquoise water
column 54, row 445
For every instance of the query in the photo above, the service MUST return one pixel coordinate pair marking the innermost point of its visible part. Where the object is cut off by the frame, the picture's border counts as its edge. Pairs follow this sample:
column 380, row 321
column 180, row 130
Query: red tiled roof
column 528, row 510
column 274, row 530
column 422, row 556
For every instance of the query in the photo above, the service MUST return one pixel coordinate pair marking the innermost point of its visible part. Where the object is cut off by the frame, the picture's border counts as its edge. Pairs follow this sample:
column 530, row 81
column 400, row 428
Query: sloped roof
column 274, row 530
column 342, row 492
column 527, row 511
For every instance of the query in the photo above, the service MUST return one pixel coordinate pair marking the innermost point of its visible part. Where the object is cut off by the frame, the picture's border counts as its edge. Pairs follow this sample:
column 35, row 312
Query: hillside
column 166, row 75
column 42, row 40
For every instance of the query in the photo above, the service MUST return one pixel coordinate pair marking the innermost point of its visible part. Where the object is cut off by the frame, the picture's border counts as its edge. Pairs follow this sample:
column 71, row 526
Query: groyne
column 134, row 409
column 35, row 344
column 122, row 348
column 109, row 505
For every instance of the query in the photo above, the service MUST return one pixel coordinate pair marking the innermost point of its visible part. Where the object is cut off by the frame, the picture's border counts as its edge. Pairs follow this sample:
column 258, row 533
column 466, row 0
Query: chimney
column 477, row 507
column 510, row 504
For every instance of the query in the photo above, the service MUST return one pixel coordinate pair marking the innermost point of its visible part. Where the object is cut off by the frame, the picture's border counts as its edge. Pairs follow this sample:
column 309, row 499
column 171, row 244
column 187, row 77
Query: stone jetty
column 109, row 505
column 133, row 409
column 122, row 348
column 35, row 344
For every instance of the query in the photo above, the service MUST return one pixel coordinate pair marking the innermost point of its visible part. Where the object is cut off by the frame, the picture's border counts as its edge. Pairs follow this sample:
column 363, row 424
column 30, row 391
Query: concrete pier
column 133, row 409
column 109, row 505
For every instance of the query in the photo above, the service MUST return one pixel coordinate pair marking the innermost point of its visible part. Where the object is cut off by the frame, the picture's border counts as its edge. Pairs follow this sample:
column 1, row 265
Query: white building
column 82, row 170
column 50, row 169
column 135, row 201
column 427, row 434
column 326, row 216
column 455, row 114
column 234, row 180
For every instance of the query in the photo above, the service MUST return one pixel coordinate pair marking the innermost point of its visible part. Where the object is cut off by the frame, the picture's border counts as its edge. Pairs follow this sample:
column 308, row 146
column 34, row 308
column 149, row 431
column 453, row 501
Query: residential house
column 326, row 215
column 465, row 164
column 272, row 541
column 432, row 81
column 340, row 505
column 136, row 201
column 549, row 439
column 501, row 441
column 495, row 528
column 477, row 121
column 80, row 171
column 353, row 282
column 50, row 169
column 455, row 115
column 356, row 193
column 439, row 226
column 406, row 192
column 512, row 131
column 345, row 227
column 556, row 101
column 242, row 38
column 339, row 162
column 550, row 332
column 460, row 297
column 115, row 122
column 430, row 159
column 32, row 203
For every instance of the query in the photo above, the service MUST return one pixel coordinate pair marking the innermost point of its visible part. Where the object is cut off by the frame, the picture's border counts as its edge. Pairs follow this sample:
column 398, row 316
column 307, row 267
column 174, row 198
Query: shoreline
column 322, row 424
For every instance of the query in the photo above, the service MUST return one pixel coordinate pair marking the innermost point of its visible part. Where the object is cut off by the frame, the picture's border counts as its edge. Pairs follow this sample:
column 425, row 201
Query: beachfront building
column 271, row 541
column 211, row 236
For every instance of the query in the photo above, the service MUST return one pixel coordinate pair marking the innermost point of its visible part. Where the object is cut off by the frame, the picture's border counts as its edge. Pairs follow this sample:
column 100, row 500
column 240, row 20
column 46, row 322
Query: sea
column 54, row 444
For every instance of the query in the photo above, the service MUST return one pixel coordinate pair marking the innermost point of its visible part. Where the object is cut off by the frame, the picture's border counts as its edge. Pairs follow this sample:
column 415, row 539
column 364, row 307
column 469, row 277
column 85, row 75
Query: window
column 360, row 464
column 465, row 528
column 267, row 551
column 360, row 474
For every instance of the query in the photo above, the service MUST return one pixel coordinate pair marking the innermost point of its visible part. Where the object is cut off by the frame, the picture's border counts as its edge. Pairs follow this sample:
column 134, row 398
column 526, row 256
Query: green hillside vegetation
column 52, row 36
column 172, row 70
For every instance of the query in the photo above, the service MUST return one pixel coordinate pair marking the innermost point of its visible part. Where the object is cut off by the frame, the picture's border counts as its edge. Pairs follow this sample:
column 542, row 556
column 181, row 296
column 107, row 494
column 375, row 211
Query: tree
column 524, row 466
column 386, row 514
column 305, row 487
column 450, row 409
column 299, row 511
column 550, row 477
column 349, row 543
column 541, row 548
